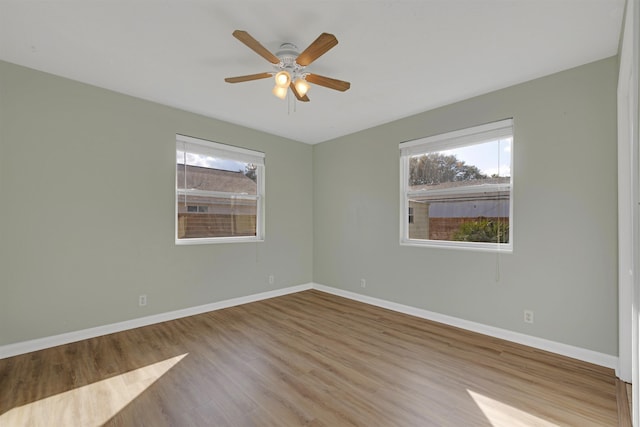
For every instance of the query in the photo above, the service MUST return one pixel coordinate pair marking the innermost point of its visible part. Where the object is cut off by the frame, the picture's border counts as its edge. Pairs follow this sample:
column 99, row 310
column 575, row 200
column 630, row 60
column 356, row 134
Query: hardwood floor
column 310, row 359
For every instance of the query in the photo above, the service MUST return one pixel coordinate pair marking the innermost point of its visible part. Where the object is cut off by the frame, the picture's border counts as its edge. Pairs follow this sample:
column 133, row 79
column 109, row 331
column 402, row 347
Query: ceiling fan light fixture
column 280, row 92
column 301, row 86
column 283, row 79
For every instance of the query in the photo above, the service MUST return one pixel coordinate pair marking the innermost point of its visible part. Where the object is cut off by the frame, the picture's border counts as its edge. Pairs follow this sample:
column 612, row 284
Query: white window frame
column 456, row 139
column 215, row 149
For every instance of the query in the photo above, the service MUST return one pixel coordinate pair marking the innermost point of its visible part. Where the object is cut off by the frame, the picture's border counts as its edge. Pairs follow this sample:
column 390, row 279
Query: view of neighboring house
column 436, row 212
column 210, row 206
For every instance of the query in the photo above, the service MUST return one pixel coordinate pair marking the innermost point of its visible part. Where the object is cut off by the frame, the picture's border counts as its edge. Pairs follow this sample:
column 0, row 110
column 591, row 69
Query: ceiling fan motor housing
column 287, row 54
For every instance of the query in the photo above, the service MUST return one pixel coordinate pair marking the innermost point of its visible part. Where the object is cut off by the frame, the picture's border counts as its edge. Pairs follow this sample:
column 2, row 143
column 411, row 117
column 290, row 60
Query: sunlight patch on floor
column 500, row 414
column 74, row 407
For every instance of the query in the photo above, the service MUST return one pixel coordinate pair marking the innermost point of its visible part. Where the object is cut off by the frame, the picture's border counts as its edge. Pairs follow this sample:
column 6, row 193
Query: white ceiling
column 401, row 57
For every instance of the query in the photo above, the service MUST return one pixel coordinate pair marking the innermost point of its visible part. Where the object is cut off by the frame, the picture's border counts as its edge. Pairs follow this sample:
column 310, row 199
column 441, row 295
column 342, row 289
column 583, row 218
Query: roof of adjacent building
column 468, row 183
column 201, row 178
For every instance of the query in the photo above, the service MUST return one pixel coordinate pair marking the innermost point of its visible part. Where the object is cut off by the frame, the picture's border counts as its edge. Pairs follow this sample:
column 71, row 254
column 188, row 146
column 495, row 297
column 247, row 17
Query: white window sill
column 216, row 240
column 467, row 246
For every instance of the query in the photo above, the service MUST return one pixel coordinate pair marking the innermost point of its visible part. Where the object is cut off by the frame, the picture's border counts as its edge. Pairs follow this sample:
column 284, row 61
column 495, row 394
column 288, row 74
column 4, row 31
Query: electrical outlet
column 272, row 279
column 142, row 300
column 363, row 283
column 528, row 316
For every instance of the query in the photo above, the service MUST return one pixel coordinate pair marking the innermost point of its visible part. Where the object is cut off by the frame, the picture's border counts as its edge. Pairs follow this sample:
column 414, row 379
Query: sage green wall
column 87, row 208
column 564, row 263
column 86, row 202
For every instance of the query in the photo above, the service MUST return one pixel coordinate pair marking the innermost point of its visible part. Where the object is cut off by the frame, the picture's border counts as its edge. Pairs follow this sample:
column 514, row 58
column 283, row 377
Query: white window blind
column 459, row 138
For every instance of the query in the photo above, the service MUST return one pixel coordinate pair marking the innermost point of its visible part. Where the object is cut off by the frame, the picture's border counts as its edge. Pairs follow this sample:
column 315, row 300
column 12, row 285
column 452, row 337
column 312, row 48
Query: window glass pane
column 480, row 219
column 215, row 174
column 216, row 217
column 489, row 162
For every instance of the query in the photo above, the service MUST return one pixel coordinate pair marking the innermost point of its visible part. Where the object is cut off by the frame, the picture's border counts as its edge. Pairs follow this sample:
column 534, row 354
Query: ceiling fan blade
column 304, row 98
column 247, row 78
column 255, row 45
column 335, row 84
column 319, row 47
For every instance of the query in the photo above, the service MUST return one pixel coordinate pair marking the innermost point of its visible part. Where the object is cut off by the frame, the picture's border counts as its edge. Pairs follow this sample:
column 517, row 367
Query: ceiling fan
column 290, row 66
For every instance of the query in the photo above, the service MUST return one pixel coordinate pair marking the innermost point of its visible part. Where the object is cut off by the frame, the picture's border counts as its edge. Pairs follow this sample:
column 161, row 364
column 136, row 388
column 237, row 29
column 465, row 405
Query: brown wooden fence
column 198, row 225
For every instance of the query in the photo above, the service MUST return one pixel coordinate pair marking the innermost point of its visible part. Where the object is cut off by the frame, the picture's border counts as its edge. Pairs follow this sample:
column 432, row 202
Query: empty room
column 333, row 213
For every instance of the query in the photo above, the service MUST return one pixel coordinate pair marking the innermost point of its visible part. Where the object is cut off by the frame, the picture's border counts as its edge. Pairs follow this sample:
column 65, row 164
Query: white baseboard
column 69, row 337
column 579, row 353
column 590, row 356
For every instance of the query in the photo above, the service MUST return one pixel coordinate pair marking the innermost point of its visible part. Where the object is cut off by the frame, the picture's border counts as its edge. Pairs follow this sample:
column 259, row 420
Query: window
column 194, row 208
column 219, row 192
column 456, row 189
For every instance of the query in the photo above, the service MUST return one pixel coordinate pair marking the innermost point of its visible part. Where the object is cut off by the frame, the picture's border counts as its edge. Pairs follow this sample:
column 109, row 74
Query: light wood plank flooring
column 310, row 359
